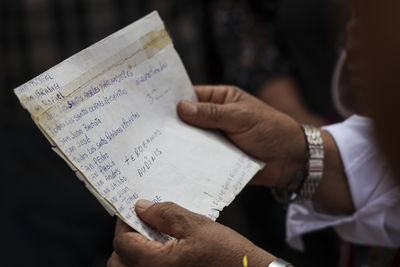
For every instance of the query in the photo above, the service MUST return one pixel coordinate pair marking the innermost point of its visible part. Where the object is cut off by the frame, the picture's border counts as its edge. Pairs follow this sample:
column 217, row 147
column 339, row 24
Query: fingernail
column 188, row 108
column 143, row 204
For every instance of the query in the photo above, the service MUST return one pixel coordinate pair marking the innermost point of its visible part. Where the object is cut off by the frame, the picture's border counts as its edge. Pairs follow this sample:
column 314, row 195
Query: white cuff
column 375, row 194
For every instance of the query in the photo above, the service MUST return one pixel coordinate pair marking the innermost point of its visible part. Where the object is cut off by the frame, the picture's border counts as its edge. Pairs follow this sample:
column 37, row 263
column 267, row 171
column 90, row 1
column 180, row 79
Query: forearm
column 333, row 193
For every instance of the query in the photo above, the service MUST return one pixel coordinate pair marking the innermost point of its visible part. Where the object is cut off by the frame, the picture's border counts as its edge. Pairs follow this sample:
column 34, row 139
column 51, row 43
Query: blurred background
column 281, row 51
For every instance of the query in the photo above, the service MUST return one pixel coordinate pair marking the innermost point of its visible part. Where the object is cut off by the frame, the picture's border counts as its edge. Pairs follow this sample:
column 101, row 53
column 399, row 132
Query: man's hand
column 253, row 126
column 200, row 241
column 271, row 136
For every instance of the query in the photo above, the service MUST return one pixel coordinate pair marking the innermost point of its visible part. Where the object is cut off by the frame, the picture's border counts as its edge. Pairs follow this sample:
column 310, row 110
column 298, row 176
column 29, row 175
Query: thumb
column 134, row 249
column 169, row 218
column 207, row 115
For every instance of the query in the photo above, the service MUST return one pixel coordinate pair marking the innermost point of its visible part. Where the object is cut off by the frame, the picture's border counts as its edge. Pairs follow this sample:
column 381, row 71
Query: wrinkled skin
column 253, row 126
column 200, row 241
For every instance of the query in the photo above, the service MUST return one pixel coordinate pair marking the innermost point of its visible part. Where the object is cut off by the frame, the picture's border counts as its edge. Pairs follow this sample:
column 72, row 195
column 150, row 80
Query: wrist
column 304, row 184
column 285, row 154
column 294, row 157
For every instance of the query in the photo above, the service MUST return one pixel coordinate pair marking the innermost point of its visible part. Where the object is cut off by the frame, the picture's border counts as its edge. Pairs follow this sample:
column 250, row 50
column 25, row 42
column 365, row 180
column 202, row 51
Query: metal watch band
column 280, row 263
column 315, row 162
column 305, row 182
column 289, row 194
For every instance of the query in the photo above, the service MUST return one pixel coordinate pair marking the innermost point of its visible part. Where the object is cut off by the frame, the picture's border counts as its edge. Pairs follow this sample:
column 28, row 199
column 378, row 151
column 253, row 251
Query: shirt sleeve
column 375, row 193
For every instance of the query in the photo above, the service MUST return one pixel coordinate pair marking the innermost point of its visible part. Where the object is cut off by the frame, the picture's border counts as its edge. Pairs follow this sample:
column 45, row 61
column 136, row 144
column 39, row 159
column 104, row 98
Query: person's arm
column 333, row 193
column 270, row 136
column 375, row 194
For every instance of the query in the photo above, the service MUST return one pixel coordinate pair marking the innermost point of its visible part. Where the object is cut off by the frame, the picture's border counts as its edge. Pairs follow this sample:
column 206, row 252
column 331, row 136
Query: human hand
column 200, row 241
column 253, row 126
column 271, row 136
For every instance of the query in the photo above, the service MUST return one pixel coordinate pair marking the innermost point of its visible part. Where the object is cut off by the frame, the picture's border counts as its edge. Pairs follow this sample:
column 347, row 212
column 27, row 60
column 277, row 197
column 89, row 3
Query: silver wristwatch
column 315, row 162
column 305, row 182
column 280, row 263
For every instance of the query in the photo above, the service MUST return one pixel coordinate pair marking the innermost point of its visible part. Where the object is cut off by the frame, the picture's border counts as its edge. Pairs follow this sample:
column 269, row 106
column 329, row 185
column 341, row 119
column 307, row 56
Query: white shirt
column 375, row 194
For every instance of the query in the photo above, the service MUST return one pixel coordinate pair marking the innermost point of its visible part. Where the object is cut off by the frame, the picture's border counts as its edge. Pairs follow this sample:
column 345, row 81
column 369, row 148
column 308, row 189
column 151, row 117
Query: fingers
column 134, row 248
column 121, row 227
column 131, row 247
column 169, row 218
column 115, row 261
column 219, row 107
column 208, row 115
column 214, row 94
